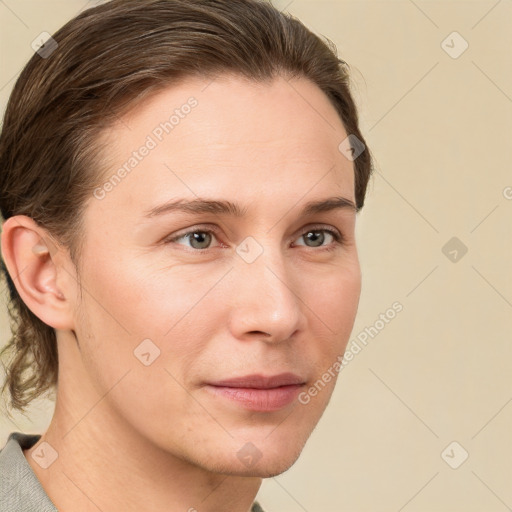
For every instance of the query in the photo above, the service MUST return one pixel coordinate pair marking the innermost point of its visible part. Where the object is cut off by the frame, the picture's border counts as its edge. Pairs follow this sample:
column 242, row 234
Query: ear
column 36, row 265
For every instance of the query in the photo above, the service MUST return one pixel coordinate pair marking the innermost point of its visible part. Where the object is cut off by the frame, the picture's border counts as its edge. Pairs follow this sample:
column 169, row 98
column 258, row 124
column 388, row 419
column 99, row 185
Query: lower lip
column 261, row 400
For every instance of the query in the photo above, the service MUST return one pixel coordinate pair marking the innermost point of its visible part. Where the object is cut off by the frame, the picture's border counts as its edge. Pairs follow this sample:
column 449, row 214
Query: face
column 214, row 322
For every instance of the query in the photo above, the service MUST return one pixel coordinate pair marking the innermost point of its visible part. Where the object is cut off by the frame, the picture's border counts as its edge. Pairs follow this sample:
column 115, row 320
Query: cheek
column 135, row 299
column 336, row 299
column 127, row 356
column 332, row 311
column 134, row 313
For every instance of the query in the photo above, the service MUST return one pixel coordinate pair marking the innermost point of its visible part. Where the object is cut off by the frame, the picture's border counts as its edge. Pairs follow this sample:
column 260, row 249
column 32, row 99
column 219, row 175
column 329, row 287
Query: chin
column 265, row 461
column 272, row 468
column 262, row 469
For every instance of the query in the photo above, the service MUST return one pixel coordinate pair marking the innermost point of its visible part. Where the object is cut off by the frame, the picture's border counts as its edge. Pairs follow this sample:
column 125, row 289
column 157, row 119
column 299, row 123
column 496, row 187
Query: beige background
column 440, row 371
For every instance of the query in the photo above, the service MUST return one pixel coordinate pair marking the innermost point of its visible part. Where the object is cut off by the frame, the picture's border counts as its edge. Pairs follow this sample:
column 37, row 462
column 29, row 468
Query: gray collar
column 20, row 490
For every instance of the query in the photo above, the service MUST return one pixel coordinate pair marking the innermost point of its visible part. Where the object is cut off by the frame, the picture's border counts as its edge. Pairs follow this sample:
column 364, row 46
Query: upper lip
column 257, row 381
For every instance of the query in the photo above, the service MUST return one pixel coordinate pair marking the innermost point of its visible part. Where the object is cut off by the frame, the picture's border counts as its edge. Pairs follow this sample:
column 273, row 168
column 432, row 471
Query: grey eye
column 199, row 239
column 316, row 237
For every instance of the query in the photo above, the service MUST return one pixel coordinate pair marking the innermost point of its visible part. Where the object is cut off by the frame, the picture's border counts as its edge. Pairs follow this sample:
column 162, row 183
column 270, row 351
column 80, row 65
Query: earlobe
column 32, row 260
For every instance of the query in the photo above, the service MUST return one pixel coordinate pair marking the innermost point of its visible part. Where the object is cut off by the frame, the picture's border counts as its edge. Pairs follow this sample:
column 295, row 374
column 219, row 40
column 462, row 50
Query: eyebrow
column 223, row 207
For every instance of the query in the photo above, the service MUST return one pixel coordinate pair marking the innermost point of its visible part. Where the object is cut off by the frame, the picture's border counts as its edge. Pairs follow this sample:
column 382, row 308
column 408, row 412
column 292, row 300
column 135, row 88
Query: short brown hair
column 106, row 60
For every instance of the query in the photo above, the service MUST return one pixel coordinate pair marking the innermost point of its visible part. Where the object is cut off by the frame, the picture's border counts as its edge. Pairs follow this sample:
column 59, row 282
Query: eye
column 316, row 236
column 199, row 239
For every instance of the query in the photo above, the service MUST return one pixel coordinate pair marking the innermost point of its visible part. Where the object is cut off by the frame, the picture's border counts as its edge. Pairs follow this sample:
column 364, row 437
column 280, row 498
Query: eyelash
column 339, row 239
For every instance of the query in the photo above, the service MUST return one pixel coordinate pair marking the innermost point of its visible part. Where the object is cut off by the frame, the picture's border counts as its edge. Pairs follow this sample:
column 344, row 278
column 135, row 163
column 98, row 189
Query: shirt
column 20, row 490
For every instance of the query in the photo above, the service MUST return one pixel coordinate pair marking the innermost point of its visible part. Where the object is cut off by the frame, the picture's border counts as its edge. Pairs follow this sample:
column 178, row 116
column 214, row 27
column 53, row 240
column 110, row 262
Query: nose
column 266, row 303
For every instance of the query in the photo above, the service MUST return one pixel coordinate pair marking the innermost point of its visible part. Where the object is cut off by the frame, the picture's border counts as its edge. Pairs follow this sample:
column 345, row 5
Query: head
column 159, row 171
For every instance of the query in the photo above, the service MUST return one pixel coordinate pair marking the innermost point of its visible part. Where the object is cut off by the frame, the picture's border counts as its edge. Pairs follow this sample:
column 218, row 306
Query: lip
column 258, row 381
column 258, row 392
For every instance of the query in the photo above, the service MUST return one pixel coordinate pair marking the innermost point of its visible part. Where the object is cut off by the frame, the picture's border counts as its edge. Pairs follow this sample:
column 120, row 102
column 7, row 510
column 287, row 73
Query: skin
column 132, row 437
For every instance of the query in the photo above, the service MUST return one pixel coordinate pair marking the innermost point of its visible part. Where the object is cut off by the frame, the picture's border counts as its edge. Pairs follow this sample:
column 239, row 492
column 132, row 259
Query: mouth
column 257, row 392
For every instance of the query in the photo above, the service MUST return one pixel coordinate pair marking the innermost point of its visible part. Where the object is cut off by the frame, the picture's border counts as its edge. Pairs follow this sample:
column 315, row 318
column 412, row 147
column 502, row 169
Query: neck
column 104, row 464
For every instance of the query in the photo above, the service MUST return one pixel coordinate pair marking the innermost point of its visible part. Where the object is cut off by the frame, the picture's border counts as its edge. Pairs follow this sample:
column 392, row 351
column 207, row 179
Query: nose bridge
column 267, row 300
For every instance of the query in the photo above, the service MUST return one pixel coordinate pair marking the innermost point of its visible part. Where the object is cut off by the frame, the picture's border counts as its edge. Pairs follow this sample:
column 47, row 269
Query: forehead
column 231, row 134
